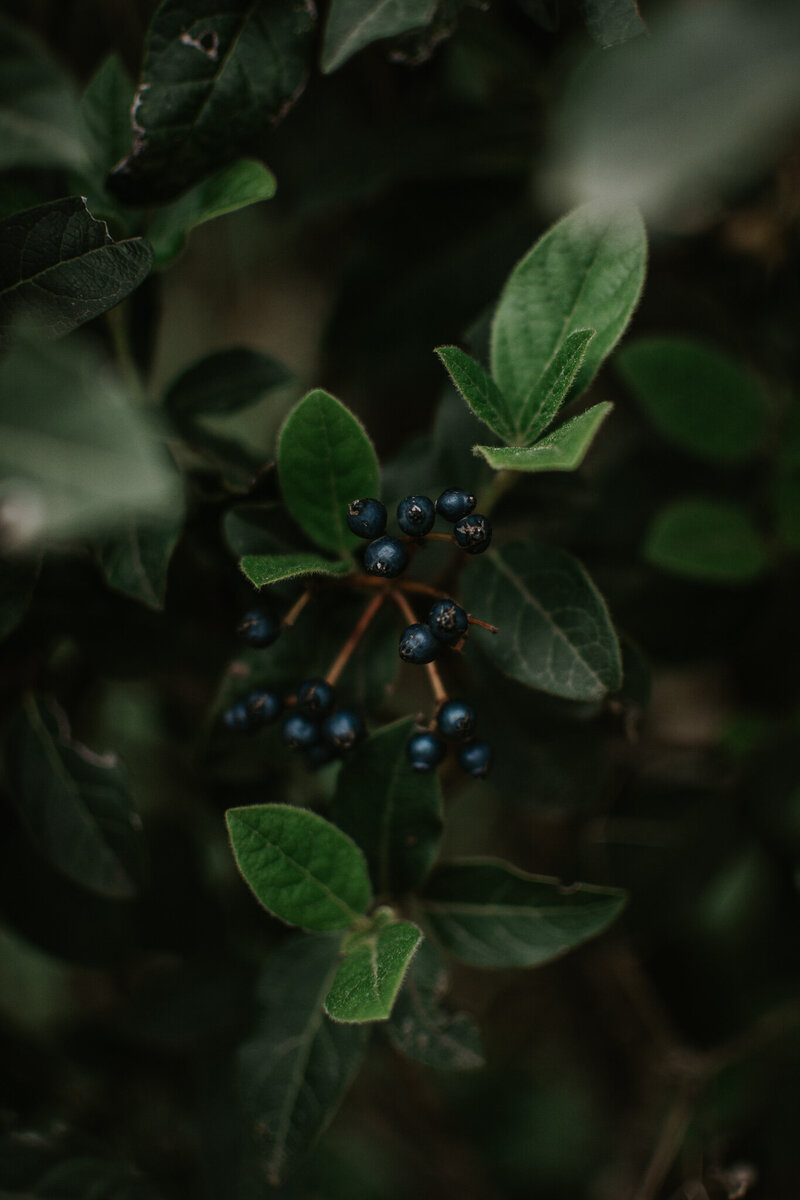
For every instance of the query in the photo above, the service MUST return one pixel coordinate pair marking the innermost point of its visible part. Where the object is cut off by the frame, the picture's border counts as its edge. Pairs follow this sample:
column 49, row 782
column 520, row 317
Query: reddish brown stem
column 297, row 608
column 434, row 678
column 364, row 621
column 483, row 624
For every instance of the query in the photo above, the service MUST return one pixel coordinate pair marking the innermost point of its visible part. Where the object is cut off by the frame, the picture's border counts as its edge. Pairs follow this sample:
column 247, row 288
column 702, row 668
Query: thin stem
column 297, row 608
column 503, row 480
column 482, row 624
column 434, row 678
column 423, row 589
column 427, row 537
column 364, row 621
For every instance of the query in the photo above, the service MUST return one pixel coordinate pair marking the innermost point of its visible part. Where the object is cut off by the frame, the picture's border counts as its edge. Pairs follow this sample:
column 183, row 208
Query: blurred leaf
column 613, row 21
column 545, row 12
column 391, row 811
column 80, row 1178
column 562, row 450
column 300, row 867
column 325, row 460
column 76, row 456
column 264, row 569
column 370, row 974
column 223, row 383
column 136, row 560
column 105, row 112
column 75, row 804
column 585, row 273
column 295, row 1070
column 39, row 125
column 423, row 1028
column 713, row 540
column 204, row 62
column 353, row 24
column 59, row 267
column 479, row 390
column 555, row 630
column 786, row 496
column 17, row 581
column 491, row 915
column 700, row 399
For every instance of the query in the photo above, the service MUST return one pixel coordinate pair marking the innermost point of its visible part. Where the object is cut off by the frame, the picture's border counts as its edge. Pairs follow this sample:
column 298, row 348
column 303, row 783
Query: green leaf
column 479, row 390
column 613, row 21
column 698, row 398
column 300, row 867
column 76, row 456
column 585, row 273
column 17, row 581
column 556, row 382
column 295, row 1070
column 555, row 633
column 244, row 183
column 353, row 24
column 75, row 804
column 263, row 569
column 421, row 1025
column 562, row 450
column 59, row 267
column 222, row 383
column 713, row 540
column 490, row 914
column 135, row 561
column 325, row 460
column 390, row 810
column 216, row 75
column 105, row 111
column 370, row 974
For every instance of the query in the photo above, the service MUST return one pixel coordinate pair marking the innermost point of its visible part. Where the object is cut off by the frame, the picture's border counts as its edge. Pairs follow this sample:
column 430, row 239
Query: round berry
column 425, row 751
column 473, row 533
column 343, row 730
column 415, row 515
column 316, row 698
column 454, row 504
column 263, row 706
column 238, row 717
column 475, row 758
column 456, row 720
column 319, row 755
column 366, row 518
column 387, row 557
column 418, row 645
column 448, row 621
column 258, row 628
column 300, row 732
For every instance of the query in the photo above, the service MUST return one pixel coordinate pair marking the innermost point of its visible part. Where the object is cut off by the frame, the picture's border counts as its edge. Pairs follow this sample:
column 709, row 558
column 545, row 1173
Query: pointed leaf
column 585, row 273
column 556, row 382
column 295, row 1070
column 264, row 569
column 370, row 975
column 492, row 915
column 75, row 804
column 611, row 22
column 706, row 539
column 555, row 633
column 390, row 810
column 562, row 450
column 423, row 1028
column 479, row 390
column 353, row 24
column 106, row 133
column 135, row 561
column 300, row 867
column 325, row 460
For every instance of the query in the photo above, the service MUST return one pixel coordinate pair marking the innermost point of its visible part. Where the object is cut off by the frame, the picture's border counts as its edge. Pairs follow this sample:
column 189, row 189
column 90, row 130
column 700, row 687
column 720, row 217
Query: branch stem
column 364, row 622
column 434, row 678
column 297, row 608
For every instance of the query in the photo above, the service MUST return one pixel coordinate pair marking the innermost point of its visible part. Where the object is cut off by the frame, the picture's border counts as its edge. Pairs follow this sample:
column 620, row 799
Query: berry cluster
column 455, row 722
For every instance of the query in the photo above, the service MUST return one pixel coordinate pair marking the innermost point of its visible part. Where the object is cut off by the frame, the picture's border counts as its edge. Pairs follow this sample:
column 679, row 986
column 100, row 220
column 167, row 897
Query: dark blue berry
column 473, row 533
column 316, row 698
column 425, row 751
column 263, row 706
column 343, row 730
column 418, row 645
column 448, row 621
column 455, row 504
column 366, row 518
column 258, row 628
column 300, row 732
column 456, row 720
column 475, row 758
column 238, row 717
column 415, row 515
column 387, row 557
column 319, row 755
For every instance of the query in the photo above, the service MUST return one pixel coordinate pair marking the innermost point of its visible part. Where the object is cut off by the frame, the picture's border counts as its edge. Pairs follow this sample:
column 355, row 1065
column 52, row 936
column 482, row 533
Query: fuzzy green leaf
column 299, row 866
column 135, row 560
column 555, row 632
column 421, row 1025
column 559, row 376
column 264, row 569
column 479, row 390
column 354, row 24
column 369, row 976
column 562, row 450
column 491, row 915
column 705, row 539
column 325, row 460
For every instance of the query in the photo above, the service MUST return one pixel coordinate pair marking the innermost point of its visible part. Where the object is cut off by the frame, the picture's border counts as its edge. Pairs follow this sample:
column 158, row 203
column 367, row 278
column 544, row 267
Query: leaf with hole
column 370, row 974
column 564, row 449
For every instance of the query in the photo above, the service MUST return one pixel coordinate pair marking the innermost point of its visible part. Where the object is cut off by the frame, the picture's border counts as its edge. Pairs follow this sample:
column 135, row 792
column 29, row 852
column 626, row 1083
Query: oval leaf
column 301, row 868
column 370, row 975
column 325, row 460
column 421, row 1025
column 555, row 631
column 562, row 450
column 353, row 24
column 263, row 569
column 222, row 383
column 706, row 539
column 490, row 914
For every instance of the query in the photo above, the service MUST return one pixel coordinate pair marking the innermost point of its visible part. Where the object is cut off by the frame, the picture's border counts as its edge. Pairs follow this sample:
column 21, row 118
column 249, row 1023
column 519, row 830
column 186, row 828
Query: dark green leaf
column 697, row 397
column 216, row 75
column 325, row 460
column 555, row 633
column 613, row 21
column 562, row 450
column 264, row 569
column 59, row 267
column 423, row 1027
column 80, row 1178
column 135, row 561
column 295, row 1070
column 556, row 382
column 75, row 804
column 353, row 24
column 390, row 810
column 301, row 868
column 106, row 132
column 371, row 972
column 17, row 581
column 222, row 383
column 706, row 539
column 479, row 390
column 492, row 915
column 39, row 124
